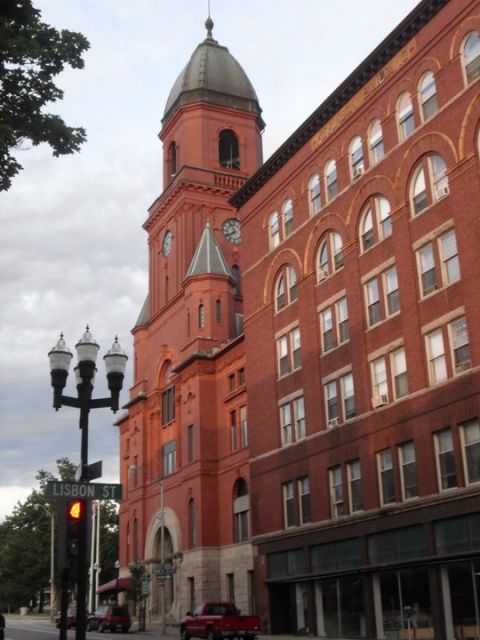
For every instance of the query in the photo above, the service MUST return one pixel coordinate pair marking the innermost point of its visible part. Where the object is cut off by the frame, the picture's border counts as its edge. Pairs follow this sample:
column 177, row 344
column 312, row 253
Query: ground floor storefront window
column 463, row 587
column 339, row 607
column 403, row 607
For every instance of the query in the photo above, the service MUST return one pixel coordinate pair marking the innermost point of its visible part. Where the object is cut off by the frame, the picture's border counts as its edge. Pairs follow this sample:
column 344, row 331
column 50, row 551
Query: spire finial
column 209, row 23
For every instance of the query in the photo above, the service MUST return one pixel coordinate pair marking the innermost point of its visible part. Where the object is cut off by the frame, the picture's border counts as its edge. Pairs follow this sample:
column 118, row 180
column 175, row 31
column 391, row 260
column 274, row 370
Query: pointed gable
column 208, row 256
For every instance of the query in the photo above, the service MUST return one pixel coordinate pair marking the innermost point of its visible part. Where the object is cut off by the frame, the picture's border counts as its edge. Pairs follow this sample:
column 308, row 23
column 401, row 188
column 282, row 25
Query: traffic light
column 75, row 515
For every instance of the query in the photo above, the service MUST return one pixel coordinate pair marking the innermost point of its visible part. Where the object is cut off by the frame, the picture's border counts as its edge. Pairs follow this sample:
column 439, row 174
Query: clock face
column 167, row 243
column 231, row 230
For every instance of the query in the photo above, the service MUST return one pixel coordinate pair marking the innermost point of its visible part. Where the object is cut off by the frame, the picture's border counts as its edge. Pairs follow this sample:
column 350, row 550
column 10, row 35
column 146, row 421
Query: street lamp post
column 52, row 556
column 115, row 364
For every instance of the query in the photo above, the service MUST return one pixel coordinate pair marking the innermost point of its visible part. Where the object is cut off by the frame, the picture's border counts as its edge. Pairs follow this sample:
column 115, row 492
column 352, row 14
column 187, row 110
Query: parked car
column 71, row 617
column 215, row 620
column 110, row 617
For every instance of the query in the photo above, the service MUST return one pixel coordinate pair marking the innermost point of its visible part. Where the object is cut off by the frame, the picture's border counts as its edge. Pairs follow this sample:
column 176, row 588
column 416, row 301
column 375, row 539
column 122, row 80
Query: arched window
column 218, row 311
column 274, row 230
column 228, row 150
column 135, row 540
column 429, row 182
column 428, row 96
column 201, row 316
column 471, row 57
column 375, row 222
column 375, row 141
column 236, row 278
column 172, row 159
column 405, row 117
column 287, row 215
column 285, row 287
column 357, row 164
column 331, row 179
column 240, row 510
column 314, row 194
column 330, row 255
column 168, row 395
column 192, row 524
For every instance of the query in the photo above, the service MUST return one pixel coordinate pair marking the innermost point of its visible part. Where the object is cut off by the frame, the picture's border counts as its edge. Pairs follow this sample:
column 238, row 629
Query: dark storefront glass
column 286, row 563
column 406, row 604
column 464, row 580
column 342, row 603
column 392, row 546
column 337, row 556
column 458, row 534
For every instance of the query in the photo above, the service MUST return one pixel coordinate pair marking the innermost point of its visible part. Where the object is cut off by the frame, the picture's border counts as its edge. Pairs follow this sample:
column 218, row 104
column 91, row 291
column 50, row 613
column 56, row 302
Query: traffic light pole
column 115, row 361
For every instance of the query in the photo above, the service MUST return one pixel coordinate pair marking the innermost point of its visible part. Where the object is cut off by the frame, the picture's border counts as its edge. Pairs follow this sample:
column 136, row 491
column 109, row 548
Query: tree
column 32, row 53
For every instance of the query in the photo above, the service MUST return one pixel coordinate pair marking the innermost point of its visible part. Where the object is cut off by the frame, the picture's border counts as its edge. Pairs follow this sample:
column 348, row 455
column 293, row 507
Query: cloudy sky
column 72, row 247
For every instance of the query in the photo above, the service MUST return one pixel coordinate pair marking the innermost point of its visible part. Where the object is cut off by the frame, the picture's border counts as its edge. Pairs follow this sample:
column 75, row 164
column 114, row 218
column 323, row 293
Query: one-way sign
column 84, row 490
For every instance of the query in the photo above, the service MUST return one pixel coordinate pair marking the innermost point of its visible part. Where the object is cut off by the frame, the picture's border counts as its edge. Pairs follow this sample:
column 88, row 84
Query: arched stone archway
column 172, row 554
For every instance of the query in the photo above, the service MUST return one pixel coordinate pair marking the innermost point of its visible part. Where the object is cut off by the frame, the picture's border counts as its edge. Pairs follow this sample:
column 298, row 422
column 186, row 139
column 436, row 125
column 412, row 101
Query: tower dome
column 213, row 75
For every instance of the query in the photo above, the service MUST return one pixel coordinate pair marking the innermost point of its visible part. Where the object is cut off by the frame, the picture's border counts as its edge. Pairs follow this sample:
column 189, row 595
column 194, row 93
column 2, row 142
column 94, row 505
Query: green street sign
column 83, row 490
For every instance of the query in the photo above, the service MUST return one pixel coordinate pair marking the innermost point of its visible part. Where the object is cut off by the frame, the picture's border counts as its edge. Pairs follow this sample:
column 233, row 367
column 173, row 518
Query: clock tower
column 184, row 440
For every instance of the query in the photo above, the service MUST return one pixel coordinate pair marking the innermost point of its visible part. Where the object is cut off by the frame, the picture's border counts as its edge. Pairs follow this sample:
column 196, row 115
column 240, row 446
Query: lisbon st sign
column 84, row 490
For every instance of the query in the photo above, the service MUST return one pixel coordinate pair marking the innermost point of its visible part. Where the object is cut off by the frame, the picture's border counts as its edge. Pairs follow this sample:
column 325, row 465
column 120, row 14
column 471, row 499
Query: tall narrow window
column 228, row 150
column 299, row 410
column 331, row 179
column 375, row 141
column 405, row 117
column 399, row 373
column 429, row 184
column 190, row 443
column 332, row 403
column 471, row 443
column 328, row 336
column 233, row 430
column 357, row 164
column 243, row 426
column 343, row 332
column 172, row 159
column 380, row 383
column 336, row 492
column 218, row 311
column 471, row 57
column 436, row 356
column 304, row 494
column 287, row 214
column 460, row 345
column 192, row 524
column 392, row 296
column 355, row 486
column 330, row 256
column 201, row 316
column 449, row 255
column 348, row 395
column 373, row 302
column 447, row 474
column 168, row 396
column 240, row 510
column 314, row 194
column 408, row 468
column 169, row 457
column 289, row 504
column 236, row 279
column 274, row 230
column 428, row 96
column 385, row 470
column 286, row 423
column 426, row 265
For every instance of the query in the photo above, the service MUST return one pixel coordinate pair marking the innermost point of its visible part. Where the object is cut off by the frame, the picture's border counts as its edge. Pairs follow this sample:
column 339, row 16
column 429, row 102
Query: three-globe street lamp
column 52, row 556
column 115, row 363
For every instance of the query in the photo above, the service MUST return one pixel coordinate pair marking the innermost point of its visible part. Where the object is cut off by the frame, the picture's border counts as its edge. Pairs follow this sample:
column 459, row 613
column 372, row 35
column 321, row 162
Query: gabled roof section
column 143, row 317
column 208, row 256
column 386, row 50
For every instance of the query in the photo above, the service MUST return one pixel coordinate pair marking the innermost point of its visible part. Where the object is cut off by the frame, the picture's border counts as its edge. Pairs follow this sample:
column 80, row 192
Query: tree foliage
column 25, row 544
column 32, row 53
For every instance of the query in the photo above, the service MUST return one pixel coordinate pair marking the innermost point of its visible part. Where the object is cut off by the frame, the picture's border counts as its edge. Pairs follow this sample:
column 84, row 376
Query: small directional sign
column 83, row 490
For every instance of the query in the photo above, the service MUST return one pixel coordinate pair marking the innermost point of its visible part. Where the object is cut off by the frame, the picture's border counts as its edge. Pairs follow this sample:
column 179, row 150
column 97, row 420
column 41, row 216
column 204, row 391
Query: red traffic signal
column 75, row 515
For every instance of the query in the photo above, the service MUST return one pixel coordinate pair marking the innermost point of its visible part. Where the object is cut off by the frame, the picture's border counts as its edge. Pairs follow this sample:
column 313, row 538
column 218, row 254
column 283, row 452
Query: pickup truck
column 216, row 620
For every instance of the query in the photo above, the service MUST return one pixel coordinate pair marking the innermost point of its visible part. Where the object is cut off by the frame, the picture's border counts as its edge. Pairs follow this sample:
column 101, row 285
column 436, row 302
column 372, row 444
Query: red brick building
column 361, row 479
column 184, row 440
column 361, row 316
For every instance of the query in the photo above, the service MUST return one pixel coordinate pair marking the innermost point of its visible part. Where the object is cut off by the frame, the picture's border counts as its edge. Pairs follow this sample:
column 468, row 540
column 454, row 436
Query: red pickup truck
column 215, row 620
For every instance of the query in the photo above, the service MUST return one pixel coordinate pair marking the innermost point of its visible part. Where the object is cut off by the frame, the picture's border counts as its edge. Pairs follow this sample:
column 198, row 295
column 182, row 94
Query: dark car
column 71, row 617
column 110, row 617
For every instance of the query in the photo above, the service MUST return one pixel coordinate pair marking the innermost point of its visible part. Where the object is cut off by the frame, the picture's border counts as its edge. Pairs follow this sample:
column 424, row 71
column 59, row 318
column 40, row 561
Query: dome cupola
column 214, row 76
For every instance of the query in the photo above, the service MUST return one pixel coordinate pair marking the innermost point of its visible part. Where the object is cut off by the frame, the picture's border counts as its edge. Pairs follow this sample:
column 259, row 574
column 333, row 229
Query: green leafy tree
column 138, row 572
column 32, row 53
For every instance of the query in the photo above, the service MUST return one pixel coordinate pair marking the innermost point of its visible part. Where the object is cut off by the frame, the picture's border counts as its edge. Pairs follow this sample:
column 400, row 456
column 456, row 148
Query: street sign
column 84, row 490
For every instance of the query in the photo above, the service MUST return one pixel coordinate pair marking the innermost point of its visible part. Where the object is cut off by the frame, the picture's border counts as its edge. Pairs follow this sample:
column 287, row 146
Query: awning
column 119, row 584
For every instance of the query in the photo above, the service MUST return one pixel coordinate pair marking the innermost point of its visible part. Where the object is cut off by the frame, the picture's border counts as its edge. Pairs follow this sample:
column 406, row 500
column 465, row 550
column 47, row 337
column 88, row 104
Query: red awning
column 119, row 584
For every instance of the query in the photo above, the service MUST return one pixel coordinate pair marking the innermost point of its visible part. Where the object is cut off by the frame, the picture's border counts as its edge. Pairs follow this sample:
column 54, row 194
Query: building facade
column 184, row 441
column 361, row 316
column 350, row 508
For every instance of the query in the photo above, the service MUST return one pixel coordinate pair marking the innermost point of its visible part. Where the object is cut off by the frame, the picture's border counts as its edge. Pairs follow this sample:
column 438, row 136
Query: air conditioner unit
column 463, row 366
column 441, row 192
column 322, row 274
column 357, row 172
column 333, row 423
column 379, row 401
